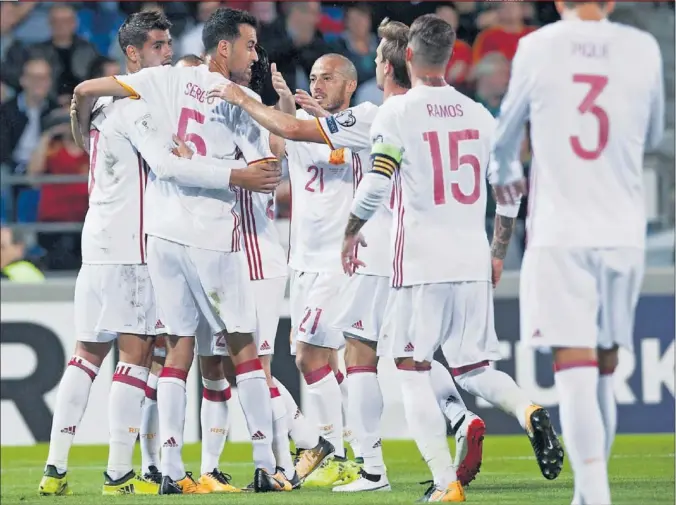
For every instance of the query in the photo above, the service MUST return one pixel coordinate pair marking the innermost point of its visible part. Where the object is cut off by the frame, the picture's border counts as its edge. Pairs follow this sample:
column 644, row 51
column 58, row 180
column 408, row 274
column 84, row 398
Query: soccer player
column 113, row 294
column 441, row 278
column 199, row 274
column 362, row 298
column 587, row 224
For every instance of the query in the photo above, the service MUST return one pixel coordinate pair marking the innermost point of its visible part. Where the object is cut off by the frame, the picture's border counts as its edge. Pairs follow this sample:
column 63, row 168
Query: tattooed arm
column 502, row 233
column 354, row 225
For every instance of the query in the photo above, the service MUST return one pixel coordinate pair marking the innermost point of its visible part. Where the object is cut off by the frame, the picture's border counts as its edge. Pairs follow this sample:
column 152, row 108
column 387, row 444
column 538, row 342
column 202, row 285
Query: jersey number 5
column 454, row 140
column 588, row 105
column 194, row 138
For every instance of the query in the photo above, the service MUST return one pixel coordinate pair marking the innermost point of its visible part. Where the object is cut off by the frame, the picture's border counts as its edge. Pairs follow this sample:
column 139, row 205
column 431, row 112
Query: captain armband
column 385, row 159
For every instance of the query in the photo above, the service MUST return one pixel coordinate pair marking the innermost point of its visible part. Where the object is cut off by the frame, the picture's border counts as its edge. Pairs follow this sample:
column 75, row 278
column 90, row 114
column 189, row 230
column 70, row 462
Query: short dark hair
column 96, row 67
column 134, row 31
column 224, row 25
column 395, row 35
column 260, row 71
column 432, row 40
column 193, row 59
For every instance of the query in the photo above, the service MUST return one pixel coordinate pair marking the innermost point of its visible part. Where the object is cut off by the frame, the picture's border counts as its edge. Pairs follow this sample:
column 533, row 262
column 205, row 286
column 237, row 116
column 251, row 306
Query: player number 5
column 454, row 140
column 597, row 84
column 194, row 138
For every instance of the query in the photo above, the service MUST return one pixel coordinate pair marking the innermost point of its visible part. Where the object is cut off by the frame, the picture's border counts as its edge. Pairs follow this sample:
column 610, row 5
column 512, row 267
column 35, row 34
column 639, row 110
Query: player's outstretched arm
column 278, row 123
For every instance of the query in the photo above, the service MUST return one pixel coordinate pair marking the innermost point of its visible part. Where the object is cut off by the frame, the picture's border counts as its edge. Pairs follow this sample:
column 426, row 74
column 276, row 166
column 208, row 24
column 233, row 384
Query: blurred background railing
column 46, row 48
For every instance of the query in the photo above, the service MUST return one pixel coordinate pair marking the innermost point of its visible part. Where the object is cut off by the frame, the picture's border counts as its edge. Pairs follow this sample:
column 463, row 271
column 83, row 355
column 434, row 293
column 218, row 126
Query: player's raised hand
column 510, row 194
column 230, row 92
column 309, row 104
column 348, row 256
column 279, row 83
column 260, row 177
column 181, row 150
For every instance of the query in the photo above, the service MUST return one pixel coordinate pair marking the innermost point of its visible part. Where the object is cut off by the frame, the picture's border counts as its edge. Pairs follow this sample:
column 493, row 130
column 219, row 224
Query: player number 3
column 439, row 187
column 588, row 105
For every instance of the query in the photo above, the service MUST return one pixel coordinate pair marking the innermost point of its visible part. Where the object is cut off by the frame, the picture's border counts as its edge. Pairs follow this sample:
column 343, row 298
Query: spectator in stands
column 294, row 43
column 191, row 41
column 491, row 77
column 104, row 67
column 265, row 12
column 504, row 36
column 461, row 60
column 21, row 118
column 57, row 154
column 69, row 55
column 358, row 42
column 13, row 265
column 5, row 92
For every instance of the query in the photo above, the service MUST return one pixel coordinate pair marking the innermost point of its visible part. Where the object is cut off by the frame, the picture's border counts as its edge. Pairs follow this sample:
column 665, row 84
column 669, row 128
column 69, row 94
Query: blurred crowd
column 47, row 48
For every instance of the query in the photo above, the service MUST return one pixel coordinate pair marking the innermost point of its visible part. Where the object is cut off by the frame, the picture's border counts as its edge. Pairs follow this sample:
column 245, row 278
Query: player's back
column 113, row 231
column 592, row 102
column 177, row 97
column 440, row 231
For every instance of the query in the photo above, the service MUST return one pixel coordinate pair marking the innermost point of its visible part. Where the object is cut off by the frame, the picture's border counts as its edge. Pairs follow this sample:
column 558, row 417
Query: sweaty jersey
column 323, row 181
column 264, row 252
column 204, row 218
column 436, row 141
column 350, row 129
column 113, row 231
column 593, row 91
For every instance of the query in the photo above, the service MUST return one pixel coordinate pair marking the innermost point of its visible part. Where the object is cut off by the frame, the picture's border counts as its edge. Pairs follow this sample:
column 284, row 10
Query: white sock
column 280, row 441
column 214, row 421
column 171, row 405
column 71, row 402
column 150, row 427
column 126, row 397
column 608, row 405
column 427, row 425
column 325, row 399
column 348, row 433
column 448, row 397
column 582, row 428
column 495, row 387
column 254, row 397
column 364, row 410
column 304, row 434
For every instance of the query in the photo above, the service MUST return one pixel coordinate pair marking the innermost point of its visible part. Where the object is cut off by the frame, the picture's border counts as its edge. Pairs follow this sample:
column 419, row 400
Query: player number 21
column 194, row 138
column 439, row 187
column 588, row 105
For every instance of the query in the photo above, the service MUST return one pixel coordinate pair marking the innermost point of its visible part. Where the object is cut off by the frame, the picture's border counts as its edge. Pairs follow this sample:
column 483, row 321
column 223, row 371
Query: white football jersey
column 351, row 129
column 439, row 230
column 204, row 218
column 322, row 186
column 264, row 252
column 113, row 231
column 593, row 92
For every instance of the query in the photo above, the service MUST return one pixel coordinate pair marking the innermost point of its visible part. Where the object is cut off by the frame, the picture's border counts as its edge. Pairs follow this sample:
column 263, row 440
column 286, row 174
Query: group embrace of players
column 388, row 252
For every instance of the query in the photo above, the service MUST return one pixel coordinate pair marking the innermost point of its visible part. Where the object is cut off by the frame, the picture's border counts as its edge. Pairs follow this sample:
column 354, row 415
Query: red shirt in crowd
column 462, row 60
column 64, row 202
column 496, row 39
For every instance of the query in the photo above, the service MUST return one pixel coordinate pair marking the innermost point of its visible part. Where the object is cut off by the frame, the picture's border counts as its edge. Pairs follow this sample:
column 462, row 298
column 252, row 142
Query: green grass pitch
column 641, row 472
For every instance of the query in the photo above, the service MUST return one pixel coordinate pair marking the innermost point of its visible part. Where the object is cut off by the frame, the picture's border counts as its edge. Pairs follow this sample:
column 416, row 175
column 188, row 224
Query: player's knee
column 94, row 352
column 572, row 357
column 242, row 344
column 608, row 360
column 310, row 358
column 135, row 349
column 360, row 353
column 211, row 367
column 180, row 352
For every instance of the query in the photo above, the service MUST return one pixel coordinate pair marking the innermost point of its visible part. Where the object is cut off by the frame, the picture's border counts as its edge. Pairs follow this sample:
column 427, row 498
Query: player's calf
column 608, row 361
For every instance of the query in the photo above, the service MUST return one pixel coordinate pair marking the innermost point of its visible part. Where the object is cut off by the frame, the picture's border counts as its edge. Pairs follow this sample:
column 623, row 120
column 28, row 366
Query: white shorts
column 206, row 342
column 268, row 296
column 456, row 316
column 113, row 299
column 312, row 301
column 361, row 306
column 192, row 283
column 580, row 297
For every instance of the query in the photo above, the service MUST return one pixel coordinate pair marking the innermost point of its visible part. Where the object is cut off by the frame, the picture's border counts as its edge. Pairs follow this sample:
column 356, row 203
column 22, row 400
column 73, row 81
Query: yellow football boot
column 54, row 483
column 217, row 482
column 129, row 484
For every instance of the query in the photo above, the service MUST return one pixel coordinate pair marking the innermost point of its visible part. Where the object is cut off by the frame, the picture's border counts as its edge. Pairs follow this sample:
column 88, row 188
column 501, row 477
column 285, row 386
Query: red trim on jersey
column 530, row 209
column 357, row 175
column 141, row 190
column 252, row 248
column 235, row 225
column 94, row 144
column 398, row 261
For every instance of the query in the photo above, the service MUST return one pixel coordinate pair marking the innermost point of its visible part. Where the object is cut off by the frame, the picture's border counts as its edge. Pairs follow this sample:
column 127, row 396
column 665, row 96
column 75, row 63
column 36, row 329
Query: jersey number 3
column 454, row 140
column 194, row 138
column 588, row 105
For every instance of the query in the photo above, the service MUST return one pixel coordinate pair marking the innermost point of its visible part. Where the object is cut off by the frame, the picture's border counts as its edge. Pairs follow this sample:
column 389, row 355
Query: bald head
column 333, row 80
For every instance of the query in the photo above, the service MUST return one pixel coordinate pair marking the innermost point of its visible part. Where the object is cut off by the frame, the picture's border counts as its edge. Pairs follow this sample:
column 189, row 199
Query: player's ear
column 131, row 53
column 610, row 7
column 409, row 54
column 560, row 7
column 351, row 86
column 224, row 48
column 388, row 69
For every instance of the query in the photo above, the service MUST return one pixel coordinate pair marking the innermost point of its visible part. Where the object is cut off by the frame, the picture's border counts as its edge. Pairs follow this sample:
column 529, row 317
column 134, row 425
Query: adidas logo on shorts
column 409, row 347
column 358, row 325
column 265, row 346
column 170, row 443
column 258, row 436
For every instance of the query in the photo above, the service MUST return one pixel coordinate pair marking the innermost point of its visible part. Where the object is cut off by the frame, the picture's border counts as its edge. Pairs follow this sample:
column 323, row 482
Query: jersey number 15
column 439, row 187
